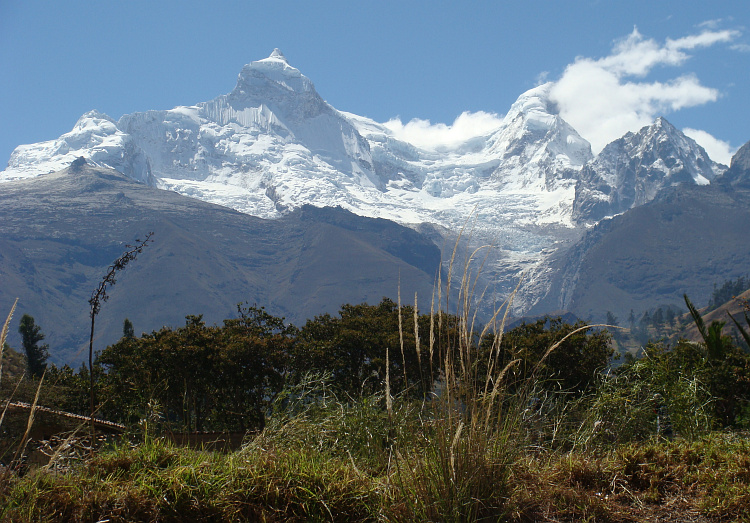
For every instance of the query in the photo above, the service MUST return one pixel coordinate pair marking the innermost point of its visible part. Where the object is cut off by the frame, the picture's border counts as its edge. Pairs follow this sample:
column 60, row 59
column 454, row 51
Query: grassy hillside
column 14, row 363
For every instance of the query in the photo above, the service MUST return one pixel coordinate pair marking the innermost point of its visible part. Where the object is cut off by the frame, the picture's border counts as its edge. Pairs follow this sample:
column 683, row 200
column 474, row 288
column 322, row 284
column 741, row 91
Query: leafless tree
column 99, row 296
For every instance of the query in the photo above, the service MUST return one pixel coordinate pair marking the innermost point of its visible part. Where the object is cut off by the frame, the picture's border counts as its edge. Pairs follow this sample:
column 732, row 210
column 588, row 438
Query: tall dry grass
column 30, row 421
column 476, row 420
column 470, row 423
column 4, row 335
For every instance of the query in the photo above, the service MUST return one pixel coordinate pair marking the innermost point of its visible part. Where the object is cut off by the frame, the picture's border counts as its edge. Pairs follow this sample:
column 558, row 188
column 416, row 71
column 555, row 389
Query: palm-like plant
column 711, row 335
column 745, row 334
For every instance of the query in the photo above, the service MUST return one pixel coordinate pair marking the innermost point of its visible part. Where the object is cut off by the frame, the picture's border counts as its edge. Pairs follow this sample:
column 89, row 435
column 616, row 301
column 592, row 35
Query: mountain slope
column 735, row 307
column 273, row 145
column 59, row 232
column 685, row 241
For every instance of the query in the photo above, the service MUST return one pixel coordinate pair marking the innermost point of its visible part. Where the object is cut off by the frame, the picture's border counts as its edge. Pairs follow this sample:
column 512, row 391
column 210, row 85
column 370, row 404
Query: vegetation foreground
column 298, row 472
column 385, row 414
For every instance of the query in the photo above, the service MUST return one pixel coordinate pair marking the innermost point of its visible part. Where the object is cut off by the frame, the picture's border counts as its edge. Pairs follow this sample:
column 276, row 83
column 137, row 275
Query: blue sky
column 616, row 65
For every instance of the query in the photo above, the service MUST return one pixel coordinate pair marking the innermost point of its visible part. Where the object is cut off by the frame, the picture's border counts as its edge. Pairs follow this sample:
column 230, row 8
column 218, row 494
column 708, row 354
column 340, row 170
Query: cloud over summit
column 440, row 136
column 605, row 98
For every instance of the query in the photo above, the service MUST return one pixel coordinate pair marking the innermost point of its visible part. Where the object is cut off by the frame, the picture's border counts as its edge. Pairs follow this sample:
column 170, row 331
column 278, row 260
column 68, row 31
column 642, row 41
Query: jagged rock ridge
column 632, row 170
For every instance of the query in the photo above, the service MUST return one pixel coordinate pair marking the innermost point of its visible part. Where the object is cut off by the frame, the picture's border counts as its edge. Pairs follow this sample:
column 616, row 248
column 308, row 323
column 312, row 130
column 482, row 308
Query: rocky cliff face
column 685, row 240
column 633, row 169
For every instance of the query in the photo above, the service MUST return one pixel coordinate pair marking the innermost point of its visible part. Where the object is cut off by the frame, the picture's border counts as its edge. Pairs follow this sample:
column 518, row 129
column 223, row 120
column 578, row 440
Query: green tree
column 669, row 316
column 728, row 290
column 36, row 355
column 353, row 348
column 201, row 377
column 127, row 329
column 658, row 318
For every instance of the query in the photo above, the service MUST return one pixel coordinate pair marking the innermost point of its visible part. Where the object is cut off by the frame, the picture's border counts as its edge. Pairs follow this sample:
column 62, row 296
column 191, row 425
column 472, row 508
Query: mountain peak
column 661, row 124
column 534, row 101
column 534, row 140
column 632, row 170
column 274, row 70
column 277, row 55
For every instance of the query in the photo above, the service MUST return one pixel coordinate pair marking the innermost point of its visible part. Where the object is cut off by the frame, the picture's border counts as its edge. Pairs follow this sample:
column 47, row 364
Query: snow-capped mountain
column 96, row 137
column 273, row 145
column 537, row 148
column 633, row 169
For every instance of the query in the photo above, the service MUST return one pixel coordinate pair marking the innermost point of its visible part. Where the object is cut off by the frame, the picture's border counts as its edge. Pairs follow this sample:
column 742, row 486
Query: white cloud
column 440, row 136
column 712, row 24
column 607, row 97
column 718, row 150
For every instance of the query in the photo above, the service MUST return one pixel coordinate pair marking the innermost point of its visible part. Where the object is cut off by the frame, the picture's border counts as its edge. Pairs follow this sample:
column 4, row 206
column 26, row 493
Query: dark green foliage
column 658, row 317
column 353, row 348
column 13, row 364
column 728, row 290
column 715, row 344
column 200, row 377
column 669, row 316
column 745, row 334
column 67, row 389
column 623, row 404
column 701, row 392
column 36, row 355
column 572, row 367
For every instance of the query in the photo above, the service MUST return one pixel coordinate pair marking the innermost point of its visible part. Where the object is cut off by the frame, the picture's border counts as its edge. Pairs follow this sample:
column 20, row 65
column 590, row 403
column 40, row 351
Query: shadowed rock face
column 59, row 232
column 738, row 174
